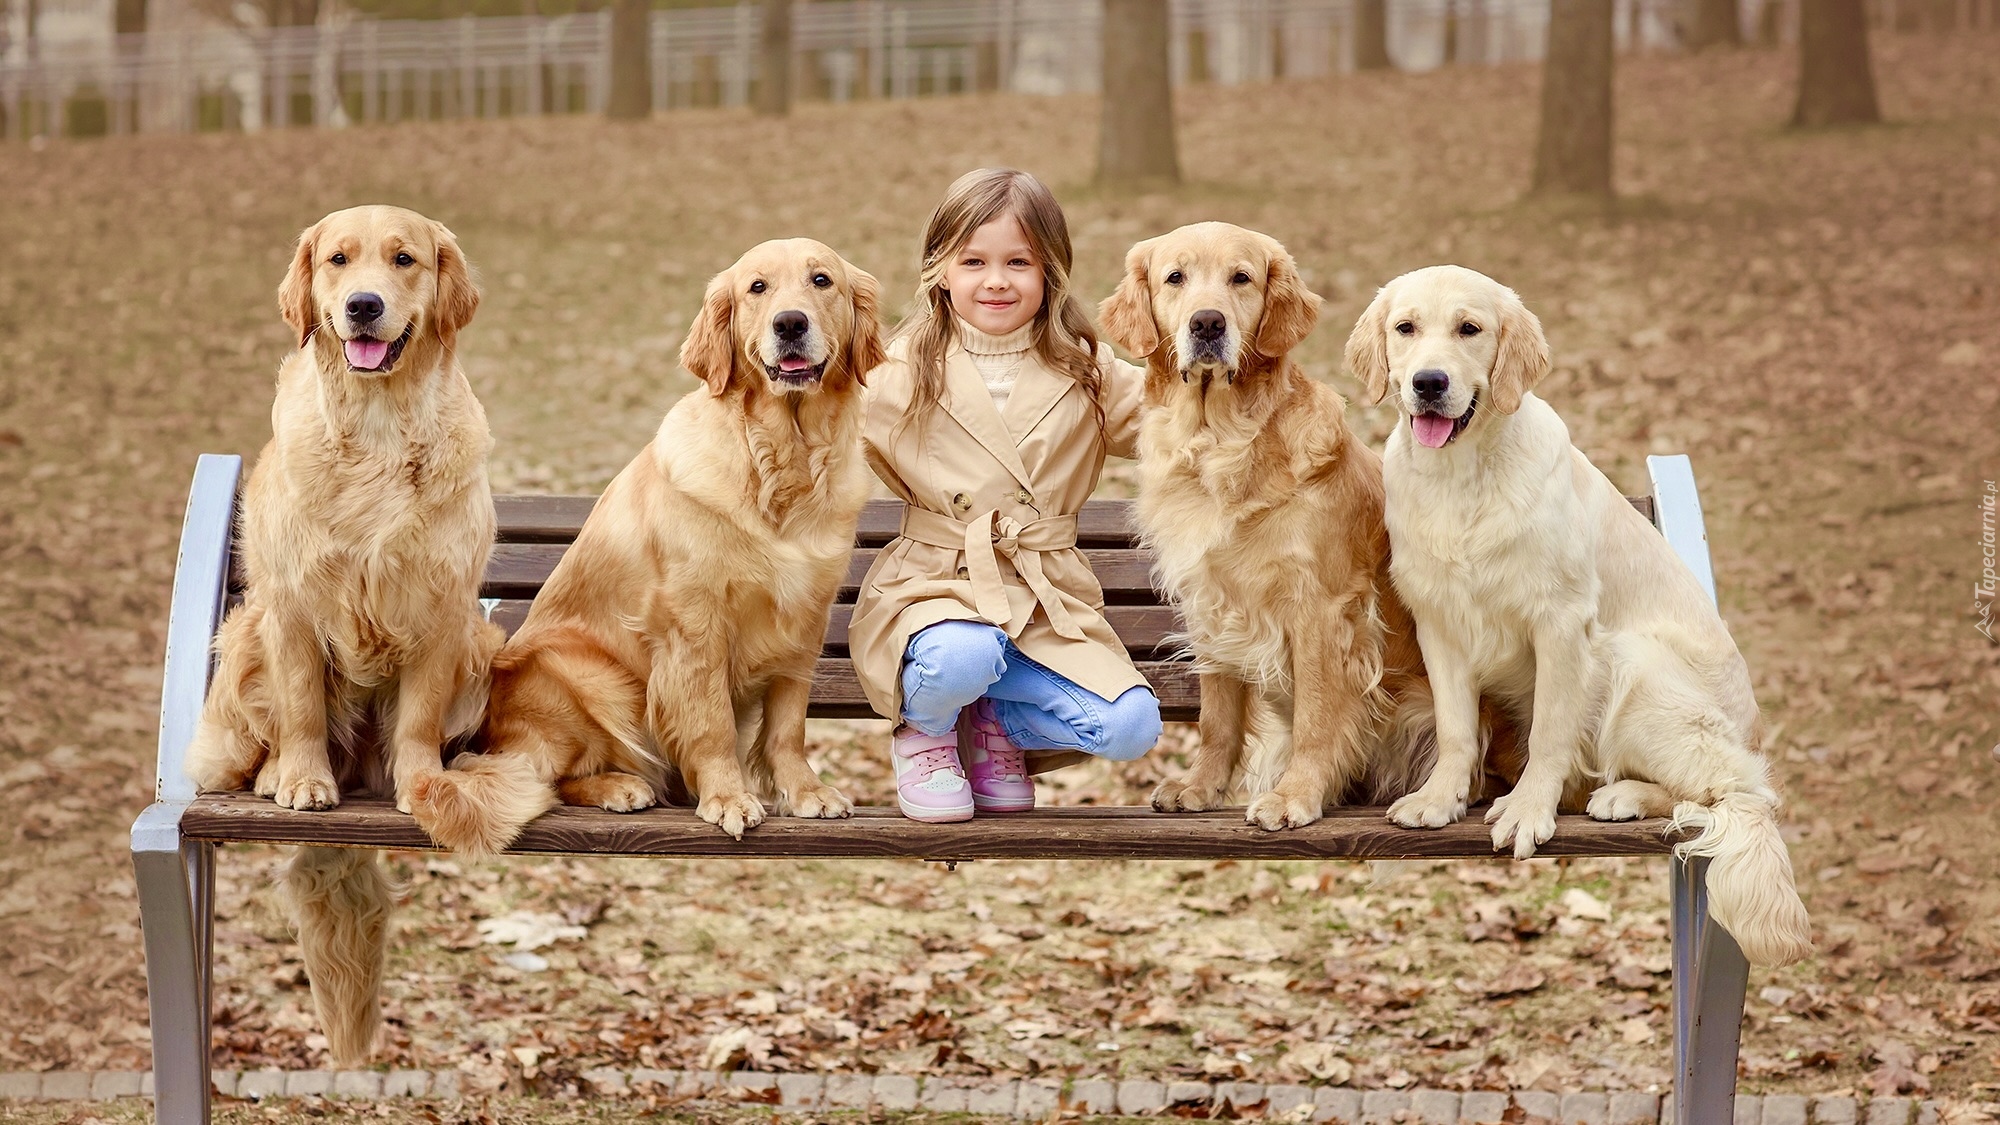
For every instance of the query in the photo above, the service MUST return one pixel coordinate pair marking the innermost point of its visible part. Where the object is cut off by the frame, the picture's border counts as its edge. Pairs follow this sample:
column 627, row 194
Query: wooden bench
column 175, row 840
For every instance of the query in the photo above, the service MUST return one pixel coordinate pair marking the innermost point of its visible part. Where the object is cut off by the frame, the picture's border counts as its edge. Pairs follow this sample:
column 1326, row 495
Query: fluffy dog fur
column 1535, row 584
column 675, row 642
column 1265, row 519
column 359, row 647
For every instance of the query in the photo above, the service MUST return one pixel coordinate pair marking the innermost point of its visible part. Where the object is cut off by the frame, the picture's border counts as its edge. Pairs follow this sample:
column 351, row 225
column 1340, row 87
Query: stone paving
column 1036, row 1099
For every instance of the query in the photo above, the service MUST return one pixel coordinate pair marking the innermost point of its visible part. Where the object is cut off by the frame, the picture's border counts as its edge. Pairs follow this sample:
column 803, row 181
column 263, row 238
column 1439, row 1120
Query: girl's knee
column 954, row 662
column 1131, row 726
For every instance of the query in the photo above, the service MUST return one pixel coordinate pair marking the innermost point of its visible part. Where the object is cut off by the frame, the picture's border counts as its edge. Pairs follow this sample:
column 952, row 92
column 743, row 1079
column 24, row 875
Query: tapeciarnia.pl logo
column 1984, row 590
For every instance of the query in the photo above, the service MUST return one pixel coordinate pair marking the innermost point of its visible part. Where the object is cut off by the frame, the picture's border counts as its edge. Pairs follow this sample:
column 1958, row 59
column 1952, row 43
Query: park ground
column 1813, row 316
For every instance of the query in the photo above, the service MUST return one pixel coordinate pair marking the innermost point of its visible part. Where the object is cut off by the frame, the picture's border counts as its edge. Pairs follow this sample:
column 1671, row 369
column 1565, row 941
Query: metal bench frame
column 176, row 874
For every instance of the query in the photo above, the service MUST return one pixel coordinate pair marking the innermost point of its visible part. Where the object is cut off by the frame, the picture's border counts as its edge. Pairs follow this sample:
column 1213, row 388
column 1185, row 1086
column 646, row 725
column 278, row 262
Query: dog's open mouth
column 795, row 371
column 1435, row 431
column 366, row 354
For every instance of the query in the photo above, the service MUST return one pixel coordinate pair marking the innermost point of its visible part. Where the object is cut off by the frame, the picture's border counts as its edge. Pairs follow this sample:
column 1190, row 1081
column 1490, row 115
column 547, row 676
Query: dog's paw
column 1274, row 811
column 1186, row 796
column 822, row 801
column 1621, row 800
column 266, row 784
column 222, row 779
column 623, row 792
column 733, row 814
column 1525, row 823
column 310, row 792
column 1424, row 809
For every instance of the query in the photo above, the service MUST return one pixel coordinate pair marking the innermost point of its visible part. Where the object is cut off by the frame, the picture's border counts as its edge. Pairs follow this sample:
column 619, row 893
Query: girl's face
column 996, row 280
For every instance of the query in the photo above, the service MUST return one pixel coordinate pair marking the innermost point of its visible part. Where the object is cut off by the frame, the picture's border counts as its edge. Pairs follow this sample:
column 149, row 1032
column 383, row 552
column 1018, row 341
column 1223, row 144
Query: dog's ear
column 866, row 352
column 1127, row 315
column 1290, row 309
column 457, row 292
column 295, row 293
column 709, row 352
column 1368, row 347
column 1523, row 357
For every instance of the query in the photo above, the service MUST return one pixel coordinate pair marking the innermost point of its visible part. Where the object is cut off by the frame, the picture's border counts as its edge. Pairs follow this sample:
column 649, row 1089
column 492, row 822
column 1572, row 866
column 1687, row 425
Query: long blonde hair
column 1065, row 338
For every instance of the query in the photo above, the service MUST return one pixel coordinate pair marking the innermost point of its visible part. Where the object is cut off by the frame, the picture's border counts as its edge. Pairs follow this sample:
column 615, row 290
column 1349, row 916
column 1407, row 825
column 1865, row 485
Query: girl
column 991, row 420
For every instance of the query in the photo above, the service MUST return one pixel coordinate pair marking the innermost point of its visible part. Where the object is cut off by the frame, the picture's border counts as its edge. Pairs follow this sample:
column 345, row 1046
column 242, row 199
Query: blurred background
column 1763, row 233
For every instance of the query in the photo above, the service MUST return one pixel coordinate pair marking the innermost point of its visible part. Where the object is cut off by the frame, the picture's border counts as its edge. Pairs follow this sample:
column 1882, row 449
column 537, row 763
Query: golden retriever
column 1264, row 515
column 360, row 646
column 1534, row 583
column 675, row 642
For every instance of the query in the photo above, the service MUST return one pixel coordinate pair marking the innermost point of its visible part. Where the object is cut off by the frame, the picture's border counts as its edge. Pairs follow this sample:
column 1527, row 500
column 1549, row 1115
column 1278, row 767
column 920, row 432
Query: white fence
column 209, row 77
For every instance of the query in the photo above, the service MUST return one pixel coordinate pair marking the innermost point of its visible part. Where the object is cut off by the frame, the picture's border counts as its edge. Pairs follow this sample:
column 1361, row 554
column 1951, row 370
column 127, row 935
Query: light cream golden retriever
column 1535, row 584
column 675, row 642
column 360, row 646
column 1264, row 515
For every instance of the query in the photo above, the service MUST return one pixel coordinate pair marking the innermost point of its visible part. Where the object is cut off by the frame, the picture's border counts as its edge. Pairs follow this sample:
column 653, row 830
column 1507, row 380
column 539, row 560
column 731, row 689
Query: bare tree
column 1573, row 154
column 1136, row 139
column 1715, row 23
column 631, row 61
column 1836, row 79
column 1371, row 34
column 774, row 85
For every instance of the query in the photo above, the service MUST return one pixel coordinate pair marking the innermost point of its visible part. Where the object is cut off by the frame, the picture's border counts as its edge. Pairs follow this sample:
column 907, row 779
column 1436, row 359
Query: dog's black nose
column 790, row 325
column 1430, row 383
column 1208, row 324
column 363, row 308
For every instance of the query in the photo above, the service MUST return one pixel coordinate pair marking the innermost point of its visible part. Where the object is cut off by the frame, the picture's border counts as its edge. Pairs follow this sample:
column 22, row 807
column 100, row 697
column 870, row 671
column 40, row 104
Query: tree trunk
column 631, row 61
column 1715, row 24
column 1836, row 81
column 774, row 85
column 1573, row 155
column 1371, row 34
column 1136, row 140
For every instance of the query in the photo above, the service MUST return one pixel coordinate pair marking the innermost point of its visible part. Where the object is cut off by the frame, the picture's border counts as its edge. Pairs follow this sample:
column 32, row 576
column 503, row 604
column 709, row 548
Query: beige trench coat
column 990, row 531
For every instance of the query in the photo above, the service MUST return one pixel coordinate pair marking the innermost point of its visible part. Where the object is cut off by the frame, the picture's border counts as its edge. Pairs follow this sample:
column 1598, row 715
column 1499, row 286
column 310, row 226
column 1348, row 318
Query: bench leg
column 176, row 880
column 1710, row 977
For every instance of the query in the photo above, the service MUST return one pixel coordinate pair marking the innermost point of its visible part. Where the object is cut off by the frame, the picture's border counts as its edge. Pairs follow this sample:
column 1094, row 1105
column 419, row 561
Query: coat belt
column 986, row 539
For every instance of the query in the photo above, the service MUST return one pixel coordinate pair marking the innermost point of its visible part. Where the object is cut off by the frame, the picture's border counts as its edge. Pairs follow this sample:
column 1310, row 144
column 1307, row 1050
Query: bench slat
column 518, row 570
column 1145, row 629
column 1050, row 833
column 557, row 519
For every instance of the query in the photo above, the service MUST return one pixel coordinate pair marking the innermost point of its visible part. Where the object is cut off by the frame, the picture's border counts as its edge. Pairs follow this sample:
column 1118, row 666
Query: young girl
column 991, row 420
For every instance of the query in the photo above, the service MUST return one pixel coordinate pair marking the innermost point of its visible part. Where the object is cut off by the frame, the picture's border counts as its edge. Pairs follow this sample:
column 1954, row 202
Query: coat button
column 964, row 574
column 1024, row 497
column 962, row 502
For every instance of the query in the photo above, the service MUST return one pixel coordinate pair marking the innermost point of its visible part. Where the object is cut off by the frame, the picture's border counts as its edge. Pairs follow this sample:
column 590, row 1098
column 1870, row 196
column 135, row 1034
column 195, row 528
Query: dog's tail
column 1750, row 889
column 340, row 901
column 479, row 805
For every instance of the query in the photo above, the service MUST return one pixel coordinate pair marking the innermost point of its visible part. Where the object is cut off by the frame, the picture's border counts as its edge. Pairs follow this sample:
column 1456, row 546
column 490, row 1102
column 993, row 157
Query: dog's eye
column 1468, row 329
column 757, row 286
column 403, row 259
column 338, row 259
column 1240, row 278
column 821, row 281
column 1175, row 278
column 1406, row 328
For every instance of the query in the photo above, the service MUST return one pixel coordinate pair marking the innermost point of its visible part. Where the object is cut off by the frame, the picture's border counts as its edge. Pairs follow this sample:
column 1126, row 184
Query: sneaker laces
column 925, row 763
column 1007, row 761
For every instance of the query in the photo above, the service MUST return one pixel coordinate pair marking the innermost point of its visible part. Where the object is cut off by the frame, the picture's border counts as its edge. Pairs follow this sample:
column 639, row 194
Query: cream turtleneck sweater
column 998, row 358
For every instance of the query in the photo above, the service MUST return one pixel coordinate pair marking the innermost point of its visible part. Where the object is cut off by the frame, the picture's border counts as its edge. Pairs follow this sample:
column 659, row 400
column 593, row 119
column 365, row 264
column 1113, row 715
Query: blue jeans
column 953, row 664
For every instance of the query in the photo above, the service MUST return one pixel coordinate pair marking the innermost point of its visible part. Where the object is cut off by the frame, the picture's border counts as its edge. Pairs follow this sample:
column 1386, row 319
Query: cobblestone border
column 1032, row 1098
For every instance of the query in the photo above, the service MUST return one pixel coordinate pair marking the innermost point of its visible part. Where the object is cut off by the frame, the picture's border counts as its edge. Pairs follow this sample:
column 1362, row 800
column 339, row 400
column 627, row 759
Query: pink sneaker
column 997, row 767
column 930, row 784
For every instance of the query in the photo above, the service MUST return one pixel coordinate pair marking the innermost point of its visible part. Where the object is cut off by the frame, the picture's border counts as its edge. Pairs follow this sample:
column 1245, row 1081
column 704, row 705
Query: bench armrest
column 200, row 585
column 1677, row 511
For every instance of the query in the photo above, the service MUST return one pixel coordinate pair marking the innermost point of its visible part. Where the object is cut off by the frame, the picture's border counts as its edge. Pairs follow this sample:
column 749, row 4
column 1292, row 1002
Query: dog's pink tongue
column 1432, row 430
column 366, row 355
column 794, row 363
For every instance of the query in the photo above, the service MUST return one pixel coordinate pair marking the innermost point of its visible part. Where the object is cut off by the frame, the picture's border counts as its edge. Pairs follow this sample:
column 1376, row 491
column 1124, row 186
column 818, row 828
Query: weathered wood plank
column 556, row 519
column 1145, row 629
column 517, row 570
column 1051, row 833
